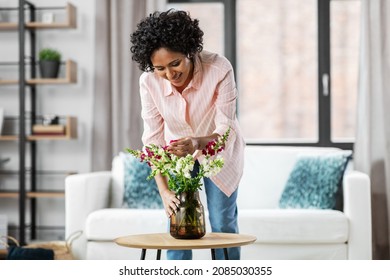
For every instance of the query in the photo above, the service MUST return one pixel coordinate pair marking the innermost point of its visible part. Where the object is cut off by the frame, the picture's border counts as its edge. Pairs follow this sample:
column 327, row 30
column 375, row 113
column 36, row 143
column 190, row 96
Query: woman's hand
column 188, row 145
column 168, row 197
column 184, row 146
column 170, row 201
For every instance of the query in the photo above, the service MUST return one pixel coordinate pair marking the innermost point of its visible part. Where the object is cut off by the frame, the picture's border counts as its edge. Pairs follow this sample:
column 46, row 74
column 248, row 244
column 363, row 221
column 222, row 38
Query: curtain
column 372, row 146
column 116, row 108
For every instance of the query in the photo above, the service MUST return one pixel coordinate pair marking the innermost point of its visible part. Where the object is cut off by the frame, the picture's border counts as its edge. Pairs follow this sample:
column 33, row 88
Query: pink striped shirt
column 206, row 106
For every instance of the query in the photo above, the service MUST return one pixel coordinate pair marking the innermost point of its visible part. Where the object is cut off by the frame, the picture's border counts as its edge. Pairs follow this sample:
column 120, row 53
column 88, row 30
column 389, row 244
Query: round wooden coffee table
column 160, row 241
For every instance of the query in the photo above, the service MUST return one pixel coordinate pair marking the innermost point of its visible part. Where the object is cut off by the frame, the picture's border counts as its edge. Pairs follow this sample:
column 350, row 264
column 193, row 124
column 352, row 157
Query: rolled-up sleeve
column 225, row 105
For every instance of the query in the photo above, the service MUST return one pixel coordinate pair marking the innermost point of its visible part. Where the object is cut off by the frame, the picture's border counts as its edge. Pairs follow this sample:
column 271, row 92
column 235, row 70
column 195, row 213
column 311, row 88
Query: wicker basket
column 62, row 249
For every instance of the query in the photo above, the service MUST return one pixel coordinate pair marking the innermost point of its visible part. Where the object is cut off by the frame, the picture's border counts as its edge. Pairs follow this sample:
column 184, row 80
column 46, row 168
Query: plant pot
column 49, row 68
column 188, row 222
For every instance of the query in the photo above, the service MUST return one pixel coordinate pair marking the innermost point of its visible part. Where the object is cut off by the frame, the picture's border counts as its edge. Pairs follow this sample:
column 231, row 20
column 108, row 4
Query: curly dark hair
column 174, row 30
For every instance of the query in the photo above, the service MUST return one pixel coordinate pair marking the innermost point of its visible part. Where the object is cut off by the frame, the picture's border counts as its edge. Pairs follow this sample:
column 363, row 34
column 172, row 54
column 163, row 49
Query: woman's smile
column 175, row 67
column 176, row 78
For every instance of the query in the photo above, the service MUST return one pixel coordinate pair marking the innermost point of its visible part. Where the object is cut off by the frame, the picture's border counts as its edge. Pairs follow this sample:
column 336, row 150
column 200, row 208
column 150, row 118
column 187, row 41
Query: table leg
column 158, row 254
column 225, row 252
column 143, row 254
column 212, row 254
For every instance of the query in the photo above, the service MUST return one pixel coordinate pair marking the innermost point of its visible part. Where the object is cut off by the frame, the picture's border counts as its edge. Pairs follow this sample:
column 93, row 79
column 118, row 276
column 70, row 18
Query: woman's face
column 173, row 66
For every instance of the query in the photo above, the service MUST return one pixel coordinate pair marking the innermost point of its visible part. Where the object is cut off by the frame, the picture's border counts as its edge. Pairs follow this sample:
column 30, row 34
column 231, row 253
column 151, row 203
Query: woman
column 189, row 95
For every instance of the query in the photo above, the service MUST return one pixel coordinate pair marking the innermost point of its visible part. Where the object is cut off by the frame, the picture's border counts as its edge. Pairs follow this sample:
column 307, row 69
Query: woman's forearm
column 201, row 142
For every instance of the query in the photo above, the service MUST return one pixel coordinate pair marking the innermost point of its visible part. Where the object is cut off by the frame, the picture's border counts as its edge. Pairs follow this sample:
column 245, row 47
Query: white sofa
column 94, row 205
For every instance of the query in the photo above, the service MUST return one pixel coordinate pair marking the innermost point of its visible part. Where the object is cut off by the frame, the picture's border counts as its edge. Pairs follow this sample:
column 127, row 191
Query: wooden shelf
column 70, row 133
column 6, row 194
column 38, row 194
column 70, row 22
column 70, row 77
column 8, row 137
column 47, row 194
column 8, row 82
column 8, row 26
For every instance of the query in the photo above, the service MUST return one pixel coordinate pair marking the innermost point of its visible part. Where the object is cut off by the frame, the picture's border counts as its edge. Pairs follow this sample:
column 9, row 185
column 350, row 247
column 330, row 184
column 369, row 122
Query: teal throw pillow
column 139, row 192
column 316, row 182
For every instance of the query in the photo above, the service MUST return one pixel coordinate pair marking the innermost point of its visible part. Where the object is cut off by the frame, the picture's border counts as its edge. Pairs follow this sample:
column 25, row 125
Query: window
column 344, row 26
column 211, row 22
column 296, row 64
column 277, row 70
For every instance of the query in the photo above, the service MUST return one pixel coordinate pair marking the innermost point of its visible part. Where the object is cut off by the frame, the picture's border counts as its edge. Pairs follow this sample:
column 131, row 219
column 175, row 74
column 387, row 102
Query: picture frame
column 1, row 119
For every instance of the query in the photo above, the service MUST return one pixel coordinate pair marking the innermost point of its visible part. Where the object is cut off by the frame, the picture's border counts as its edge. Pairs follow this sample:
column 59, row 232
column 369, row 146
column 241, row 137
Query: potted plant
column 49, row 62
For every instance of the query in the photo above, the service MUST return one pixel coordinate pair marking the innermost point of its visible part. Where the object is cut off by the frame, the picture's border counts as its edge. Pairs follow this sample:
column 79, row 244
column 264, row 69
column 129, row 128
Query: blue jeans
column 223, row 218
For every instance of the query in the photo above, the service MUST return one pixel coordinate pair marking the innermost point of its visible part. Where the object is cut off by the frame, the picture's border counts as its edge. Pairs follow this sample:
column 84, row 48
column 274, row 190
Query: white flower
column 212, row 167
column 179, row 164
column 187, row 174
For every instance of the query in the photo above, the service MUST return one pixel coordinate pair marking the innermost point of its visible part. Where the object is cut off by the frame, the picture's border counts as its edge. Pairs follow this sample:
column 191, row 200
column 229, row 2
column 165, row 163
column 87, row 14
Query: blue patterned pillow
column 139, row 192
column 315, row 181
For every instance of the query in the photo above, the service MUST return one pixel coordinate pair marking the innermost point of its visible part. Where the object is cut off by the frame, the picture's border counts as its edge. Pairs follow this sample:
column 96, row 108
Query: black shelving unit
column 28, row 27
column 22, row 124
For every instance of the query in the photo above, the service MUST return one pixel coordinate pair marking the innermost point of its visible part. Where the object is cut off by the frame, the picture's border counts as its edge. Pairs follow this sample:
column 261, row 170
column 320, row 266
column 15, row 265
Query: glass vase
column 188, row 222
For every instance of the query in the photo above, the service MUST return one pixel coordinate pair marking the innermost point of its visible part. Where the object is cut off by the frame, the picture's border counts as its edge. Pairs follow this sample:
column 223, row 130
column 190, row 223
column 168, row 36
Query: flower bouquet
column 184, row 176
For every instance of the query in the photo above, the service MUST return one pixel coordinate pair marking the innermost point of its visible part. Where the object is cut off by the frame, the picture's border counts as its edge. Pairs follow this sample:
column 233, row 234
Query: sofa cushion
column 139, row 192
column 315, row 181
column 294, row 225
column 108, row 224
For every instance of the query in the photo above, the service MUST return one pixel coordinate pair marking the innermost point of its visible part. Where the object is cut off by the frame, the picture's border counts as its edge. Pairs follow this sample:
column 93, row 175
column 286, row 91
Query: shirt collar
column 167, row 88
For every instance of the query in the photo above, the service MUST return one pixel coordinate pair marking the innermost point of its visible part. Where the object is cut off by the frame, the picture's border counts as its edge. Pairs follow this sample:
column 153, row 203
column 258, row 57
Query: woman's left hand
column 184, row 146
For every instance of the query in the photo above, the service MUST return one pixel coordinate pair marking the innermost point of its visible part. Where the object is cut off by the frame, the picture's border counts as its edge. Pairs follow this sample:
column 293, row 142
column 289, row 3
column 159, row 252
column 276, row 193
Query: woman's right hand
column 168, row 197
column 170, row 201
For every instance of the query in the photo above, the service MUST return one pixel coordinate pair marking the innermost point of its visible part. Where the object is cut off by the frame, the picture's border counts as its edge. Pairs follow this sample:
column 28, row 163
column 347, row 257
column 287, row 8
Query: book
column 55, row 129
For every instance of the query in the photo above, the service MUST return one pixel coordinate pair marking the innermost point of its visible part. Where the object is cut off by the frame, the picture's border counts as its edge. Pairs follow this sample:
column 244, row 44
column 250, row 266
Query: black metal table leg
column 143, row 254
column 158, row 254
column 225, row 252
column 212, row 254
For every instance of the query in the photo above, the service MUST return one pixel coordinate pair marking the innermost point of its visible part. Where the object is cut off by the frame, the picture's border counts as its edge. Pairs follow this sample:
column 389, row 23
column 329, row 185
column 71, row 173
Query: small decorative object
column 188, row 222
column 47, row 17
column 49, row 63
column 51, row 119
